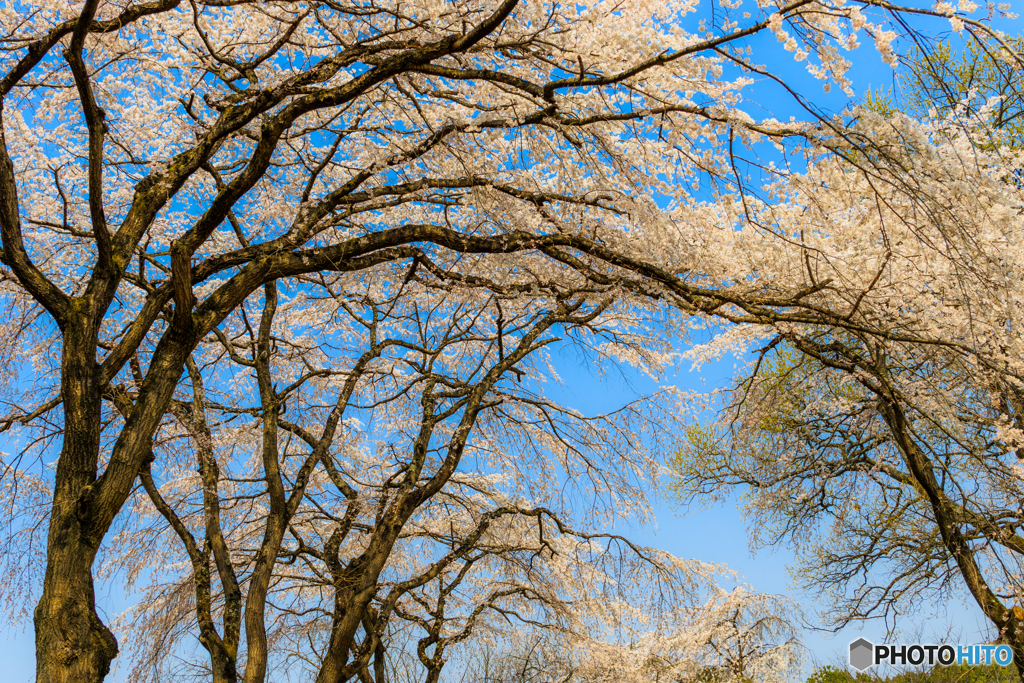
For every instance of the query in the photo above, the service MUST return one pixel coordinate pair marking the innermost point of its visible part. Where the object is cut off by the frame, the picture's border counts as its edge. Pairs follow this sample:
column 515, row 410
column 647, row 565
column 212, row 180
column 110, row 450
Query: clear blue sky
column 720, row 533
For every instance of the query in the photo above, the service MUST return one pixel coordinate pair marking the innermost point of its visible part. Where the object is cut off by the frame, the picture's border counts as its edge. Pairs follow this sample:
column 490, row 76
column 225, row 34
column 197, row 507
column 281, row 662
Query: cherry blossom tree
column 893, row 467
column 172, row 173
column 331, row 571
column 737, row 636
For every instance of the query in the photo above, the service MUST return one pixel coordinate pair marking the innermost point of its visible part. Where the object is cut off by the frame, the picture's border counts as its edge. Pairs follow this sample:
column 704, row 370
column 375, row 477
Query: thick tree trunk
column 72, row 644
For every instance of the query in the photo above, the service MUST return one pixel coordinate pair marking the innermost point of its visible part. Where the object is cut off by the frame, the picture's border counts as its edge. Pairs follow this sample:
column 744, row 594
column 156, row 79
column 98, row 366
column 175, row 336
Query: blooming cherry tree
column 224, row 216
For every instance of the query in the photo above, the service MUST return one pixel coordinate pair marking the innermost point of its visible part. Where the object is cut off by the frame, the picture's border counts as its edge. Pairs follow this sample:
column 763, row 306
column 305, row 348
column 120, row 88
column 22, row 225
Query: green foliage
column 944, row 78
column 942, row 81
column 939, row 674
column 830, row 674
column 881, row 101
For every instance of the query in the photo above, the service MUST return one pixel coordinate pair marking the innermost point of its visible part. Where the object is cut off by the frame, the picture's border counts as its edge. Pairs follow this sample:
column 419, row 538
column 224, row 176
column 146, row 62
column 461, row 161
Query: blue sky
column 720, row 533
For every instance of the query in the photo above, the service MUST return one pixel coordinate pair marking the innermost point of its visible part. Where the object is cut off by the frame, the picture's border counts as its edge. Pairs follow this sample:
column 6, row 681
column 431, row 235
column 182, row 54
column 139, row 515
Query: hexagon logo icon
column 862, row 654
